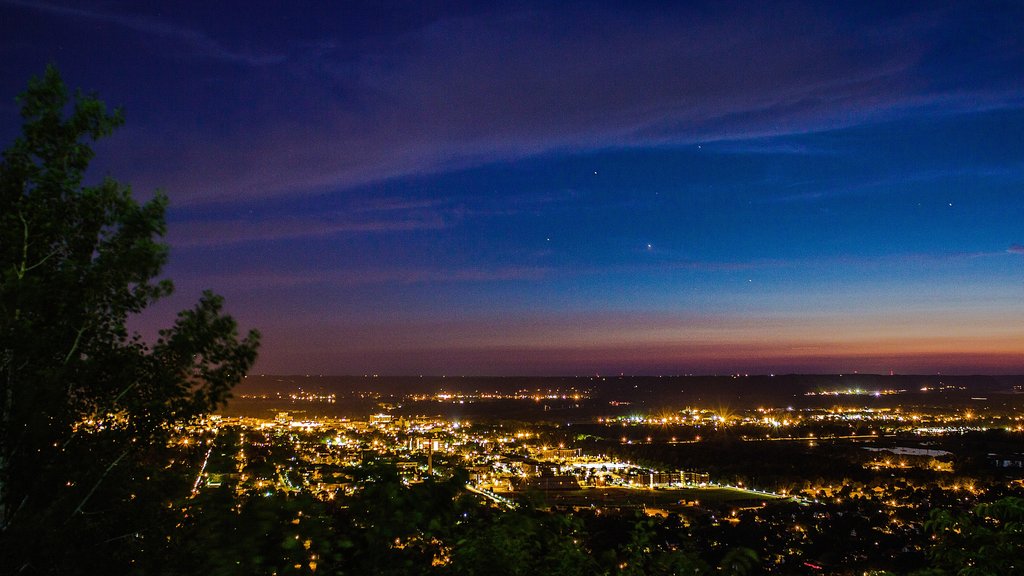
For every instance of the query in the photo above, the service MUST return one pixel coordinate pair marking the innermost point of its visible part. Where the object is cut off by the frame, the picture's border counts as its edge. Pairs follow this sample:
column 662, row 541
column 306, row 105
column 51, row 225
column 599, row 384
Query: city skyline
column 447, row 188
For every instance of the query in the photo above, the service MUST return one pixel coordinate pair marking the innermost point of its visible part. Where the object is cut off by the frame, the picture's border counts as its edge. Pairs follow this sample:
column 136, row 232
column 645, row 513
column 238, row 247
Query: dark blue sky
column 558, row 188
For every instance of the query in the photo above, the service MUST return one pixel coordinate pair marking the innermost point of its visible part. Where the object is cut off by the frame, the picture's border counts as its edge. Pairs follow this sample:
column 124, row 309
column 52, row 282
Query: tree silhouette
column 87, row 409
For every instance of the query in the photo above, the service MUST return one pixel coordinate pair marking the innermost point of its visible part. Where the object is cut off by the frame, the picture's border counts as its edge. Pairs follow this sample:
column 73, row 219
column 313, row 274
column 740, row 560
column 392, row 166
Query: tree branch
column 74, row 345
column 20, row 271
column 96, row 486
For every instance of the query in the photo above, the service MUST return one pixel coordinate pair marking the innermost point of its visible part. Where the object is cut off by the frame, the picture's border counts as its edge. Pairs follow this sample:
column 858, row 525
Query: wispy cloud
column 372, row 277
column 234, row 231
column 1015, row 249
column 353, row 213
column 771, row 146
column 467, row 91
column 827, row 190
column 198, row 43
column 397, row 204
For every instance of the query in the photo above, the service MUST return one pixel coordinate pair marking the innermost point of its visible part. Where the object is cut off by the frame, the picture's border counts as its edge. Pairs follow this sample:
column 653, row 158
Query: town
column 808, row 488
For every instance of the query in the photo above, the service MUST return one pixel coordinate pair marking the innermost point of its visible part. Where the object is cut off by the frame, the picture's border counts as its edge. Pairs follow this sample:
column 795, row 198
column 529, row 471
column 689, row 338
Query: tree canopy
column 88, row 409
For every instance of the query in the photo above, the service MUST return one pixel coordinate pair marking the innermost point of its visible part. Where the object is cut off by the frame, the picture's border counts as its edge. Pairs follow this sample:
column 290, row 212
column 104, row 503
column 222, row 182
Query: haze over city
column 527, row 188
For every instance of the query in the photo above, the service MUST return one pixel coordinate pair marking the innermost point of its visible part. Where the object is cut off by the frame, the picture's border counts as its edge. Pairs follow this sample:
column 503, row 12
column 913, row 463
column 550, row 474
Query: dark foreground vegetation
column 89, row 412
column 436, row 527
column 386, row 526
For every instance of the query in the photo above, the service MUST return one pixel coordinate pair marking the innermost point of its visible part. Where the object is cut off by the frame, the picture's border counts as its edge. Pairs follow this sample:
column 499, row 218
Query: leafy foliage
column 987, row 540
column 87, row 409
column 436, row 527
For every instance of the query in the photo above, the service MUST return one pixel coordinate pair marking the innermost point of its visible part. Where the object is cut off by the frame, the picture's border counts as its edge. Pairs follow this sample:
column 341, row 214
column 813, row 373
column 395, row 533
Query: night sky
column 562, row 188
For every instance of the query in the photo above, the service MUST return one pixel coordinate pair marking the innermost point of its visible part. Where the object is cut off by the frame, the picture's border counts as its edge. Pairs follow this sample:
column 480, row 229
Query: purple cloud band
column 460, row 92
